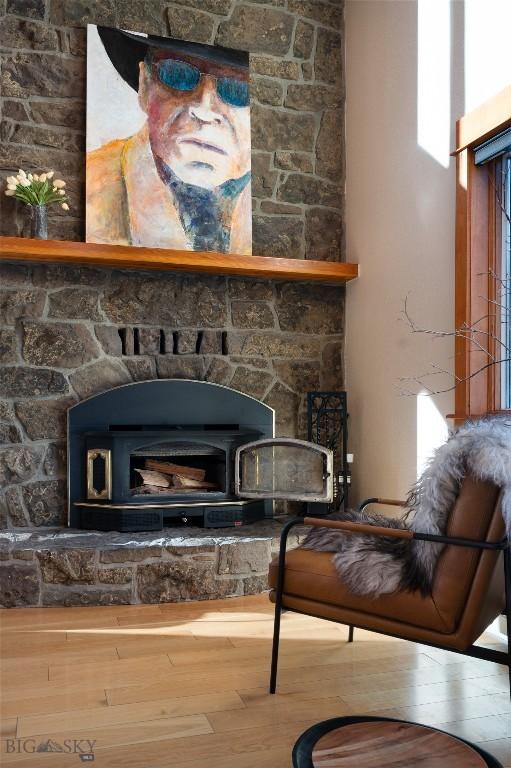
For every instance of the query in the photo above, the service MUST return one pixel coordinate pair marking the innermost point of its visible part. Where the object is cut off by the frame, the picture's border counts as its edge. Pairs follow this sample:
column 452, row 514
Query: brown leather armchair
column 470, row 588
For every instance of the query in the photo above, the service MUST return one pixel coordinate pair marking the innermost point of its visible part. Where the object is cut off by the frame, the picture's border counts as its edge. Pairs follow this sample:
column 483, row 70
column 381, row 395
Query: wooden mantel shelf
column 129, row 257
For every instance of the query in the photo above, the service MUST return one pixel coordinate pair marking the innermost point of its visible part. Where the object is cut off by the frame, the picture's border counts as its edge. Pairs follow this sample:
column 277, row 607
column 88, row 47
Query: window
column 505, row 309
column 483, row 259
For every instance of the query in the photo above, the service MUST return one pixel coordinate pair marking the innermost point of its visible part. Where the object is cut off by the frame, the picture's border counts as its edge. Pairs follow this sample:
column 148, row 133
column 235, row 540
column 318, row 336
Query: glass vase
column 39, row 221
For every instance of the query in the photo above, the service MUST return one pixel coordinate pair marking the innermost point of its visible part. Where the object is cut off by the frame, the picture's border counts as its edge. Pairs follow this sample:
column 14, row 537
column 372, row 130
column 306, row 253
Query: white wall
column 409, row 65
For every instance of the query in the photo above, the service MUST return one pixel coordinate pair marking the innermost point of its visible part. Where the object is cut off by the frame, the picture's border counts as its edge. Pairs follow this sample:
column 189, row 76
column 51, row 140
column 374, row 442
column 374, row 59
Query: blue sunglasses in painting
column 182, row 76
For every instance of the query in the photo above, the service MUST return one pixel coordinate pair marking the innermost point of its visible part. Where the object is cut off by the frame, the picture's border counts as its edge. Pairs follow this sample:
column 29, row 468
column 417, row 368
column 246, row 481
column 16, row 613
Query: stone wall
column 68, row 332
column 297, row 105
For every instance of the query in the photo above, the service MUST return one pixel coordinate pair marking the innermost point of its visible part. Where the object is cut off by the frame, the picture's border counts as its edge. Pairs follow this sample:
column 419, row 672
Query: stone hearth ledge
column 69, row 567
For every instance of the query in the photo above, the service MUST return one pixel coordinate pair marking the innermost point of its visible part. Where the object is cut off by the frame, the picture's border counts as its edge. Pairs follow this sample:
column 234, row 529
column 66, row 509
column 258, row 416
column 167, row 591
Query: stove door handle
column 104, row 469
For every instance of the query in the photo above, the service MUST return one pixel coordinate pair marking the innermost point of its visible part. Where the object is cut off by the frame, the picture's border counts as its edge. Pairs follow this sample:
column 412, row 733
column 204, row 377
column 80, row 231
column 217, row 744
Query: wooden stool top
column 386, row 744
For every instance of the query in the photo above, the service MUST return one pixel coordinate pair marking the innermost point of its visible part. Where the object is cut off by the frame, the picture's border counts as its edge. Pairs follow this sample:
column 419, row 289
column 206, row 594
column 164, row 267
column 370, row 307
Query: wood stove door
column 284, row 468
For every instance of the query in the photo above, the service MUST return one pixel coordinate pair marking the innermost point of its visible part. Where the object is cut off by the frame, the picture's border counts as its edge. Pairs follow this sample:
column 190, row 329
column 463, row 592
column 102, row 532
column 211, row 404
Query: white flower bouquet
column 37, row 192
column 34, row 189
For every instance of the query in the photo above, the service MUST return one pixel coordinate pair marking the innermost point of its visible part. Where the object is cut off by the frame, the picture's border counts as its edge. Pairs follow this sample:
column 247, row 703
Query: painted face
column 198, row 117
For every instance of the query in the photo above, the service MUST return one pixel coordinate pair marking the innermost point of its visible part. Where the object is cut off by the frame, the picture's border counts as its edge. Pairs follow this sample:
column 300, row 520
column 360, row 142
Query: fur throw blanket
column 373, row 565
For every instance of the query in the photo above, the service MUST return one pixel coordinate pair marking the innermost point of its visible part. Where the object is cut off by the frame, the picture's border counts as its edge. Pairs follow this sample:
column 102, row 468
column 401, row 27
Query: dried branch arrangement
column 489, row 335
column 413, row 385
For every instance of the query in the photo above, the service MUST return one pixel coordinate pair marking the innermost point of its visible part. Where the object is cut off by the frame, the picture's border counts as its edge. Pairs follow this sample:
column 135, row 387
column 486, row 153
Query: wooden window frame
column 478, row 258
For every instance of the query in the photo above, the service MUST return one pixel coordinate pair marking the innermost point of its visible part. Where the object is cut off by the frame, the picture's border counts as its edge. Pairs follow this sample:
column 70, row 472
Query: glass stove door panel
column 284, row 468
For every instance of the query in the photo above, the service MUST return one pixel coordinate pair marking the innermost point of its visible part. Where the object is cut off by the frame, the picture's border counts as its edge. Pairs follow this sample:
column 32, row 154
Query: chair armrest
column 378, row 500
column 401, row 533
column 349, row 527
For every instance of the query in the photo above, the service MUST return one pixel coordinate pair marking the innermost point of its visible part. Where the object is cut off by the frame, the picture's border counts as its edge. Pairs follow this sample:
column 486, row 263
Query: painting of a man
column 182, row 179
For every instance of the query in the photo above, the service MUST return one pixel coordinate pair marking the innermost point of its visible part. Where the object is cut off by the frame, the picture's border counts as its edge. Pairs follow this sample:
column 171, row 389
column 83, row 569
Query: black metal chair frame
column 478, row 652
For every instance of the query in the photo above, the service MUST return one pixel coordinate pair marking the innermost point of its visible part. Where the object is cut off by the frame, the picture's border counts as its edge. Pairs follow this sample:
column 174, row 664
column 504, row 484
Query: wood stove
column 169, row 452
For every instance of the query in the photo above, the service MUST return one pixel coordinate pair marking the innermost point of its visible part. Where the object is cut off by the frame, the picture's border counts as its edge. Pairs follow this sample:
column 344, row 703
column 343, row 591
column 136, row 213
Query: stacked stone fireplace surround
column 68, row 332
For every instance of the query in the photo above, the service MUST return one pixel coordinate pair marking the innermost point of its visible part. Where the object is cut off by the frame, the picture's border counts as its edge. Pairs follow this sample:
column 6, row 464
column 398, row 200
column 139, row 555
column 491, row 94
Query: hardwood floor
column 185, row 686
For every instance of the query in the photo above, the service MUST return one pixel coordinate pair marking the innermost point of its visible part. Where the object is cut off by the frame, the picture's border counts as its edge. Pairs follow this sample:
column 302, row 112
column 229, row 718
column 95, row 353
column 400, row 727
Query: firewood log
column 154, row 478
column 153, row 490
column 172, row 469
column 186, row 482
column 149, row 489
